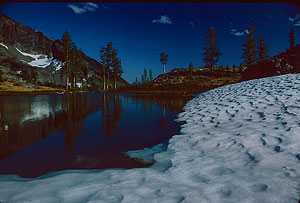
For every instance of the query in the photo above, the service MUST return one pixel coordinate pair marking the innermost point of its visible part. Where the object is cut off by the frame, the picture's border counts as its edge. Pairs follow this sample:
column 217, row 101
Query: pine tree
column 241, row 68
column 212, row 53
column 190, row 69
column 67, row 56
column 105, row 60
column 103, row 63
column 143, row 79
column 250, row 52
column 292, row 38
column 81, row 71
column 150, row 76
column 234, row 68
column 116, row 67
column 164, row 59
column 108, row 61
column 34, row 76
column 262, row 50
column 73, row 65
column 145, row 76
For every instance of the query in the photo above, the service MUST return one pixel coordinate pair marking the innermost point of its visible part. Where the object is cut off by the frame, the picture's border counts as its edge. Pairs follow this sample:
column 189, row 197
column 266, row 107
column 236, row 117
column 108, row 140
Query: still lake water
column 44, row 133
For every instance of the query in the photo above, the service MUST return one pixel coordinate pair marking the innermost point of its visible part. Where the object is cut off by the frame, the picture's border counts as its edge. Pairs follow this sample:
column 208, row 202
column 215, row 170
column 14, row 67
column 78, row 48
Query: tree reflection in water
column 73, row 120
column 111, row 113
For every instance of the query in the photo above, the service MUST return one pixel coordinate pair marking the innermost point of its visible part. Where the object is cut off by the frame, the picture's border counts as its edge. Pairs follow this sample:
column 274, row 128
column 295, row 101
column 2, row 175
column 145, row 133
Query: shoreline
column 62, row 91
column 59, row 91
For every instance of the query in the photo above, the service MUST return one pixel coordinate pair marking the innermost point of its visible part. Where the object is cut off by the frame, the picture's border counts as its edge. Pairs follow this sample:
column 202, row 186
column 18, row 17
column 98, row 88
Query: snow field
column 240, row 143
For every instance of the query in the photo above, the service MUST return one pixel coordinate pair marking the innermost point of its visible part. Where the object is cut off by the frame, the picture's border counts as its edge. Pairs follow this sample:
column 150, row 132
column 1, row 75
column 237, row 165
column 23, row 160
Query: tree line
column 74, row 70
column 146, row 78
column 111, row 66
column 254, row 50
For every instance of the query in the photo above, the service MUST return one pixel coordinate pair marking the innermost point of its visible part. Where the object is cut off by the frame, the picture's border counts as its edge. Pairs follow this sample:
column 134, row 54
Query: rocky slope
column 25, row 51
column 200, row 78
column 283, row 63
column 196, row 80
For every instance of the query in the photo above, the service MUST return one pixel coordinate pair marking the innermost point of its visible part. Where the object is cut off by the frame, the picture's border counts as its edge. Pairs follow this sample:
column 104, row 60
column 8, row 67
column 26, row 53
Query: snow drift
column 240, row 143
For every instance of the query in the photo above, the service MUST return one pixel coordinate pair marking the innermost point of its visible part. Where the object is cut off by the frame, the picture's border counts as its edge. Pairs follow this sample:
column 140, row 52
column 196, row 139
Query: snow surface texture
column 240, row 143
column 41, row 61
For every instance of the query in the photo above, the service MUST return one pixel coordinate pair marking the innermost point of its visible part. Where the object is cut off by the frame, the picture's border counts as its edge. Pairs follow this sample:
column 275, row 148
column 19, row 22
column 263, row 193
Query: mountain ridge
column 24, row 49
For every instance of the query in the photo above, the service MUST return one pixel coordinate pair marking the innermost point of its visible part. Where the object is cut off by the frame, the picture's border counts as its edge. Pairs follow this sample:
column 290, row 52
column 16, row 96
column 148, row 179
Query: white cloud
column 297, row 17
column 76, row 9
column 297, row 23
column 192, row 23
column 238, row 33
column 90, row 6
column 163, row 20
column 85, row 8
column 296, row 20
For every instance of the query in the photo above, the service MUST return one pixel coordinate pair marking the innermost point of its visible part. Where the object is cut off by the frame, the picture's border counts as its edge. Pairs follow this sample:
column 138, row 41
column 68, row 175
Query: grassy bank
column 186, row 87
column 10, row 88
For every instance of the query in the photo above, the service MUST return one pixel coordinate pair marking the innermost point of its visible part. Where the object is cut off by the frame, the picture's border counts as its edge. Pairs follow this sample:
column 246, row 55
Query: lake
column 45, row 133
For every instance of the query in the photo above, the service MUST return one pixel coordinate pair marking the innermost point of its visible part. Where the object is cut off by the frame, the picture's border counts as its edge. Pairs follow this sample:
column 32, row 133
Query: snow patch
column 3, row 45
column 30, row 55
column 240, row 143
column 42, row 61
column 78, row 84
column 58, row 64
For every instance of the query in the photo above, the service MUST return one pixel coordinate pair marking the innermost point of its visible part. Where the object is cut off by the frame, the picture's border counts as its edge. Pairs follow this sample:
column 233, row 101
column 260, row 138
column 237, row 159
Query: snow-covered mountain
column 27, row 50
column 240, row 143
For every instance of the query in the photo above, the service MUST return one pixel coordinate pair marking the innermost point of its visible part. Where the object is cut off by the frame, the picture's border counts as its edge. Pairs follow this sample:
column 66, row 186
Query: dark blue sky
column 141, row 31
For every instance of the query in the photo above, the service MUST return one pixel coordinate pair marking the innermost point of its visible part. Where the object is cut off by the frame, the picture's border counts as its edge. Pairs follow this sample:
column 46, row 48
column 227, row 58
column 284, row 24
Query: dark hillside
column 284, row 63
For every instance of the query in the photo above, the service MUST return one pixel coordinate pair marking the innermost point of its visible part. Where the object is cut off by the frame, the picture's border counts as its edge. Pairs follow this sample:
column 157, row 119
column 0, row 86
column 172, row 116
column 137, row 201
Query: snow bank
column 42, row 61
column 240, row 143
